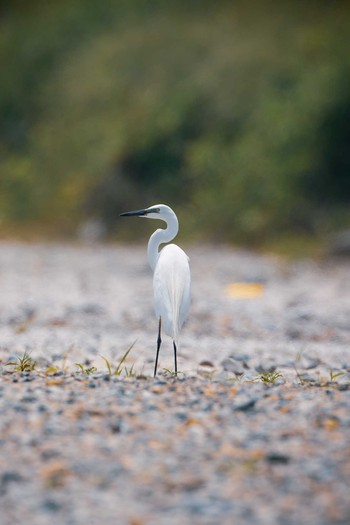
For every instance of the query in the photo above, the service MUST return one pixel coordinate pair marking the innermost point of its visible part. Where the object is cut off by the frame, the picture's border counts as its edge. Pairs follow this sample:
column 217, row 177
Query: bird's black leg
column 175, row 357
column 159, row 340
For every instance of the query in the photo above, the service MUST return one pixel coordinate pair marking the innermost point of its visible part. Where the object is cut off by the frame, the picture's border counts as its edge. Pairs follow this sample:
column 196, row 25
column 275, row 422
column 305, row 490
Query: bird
column 171, row 275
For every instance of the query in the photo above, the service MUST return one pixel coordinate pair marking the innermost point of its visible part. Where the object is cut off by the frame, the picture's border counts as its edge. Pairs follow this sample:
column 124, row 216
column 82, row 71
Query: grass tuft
column 269, row 378
column 129, row 372
column 171, row 373
column 23, row 364
column 333, row 376
column 86, row 371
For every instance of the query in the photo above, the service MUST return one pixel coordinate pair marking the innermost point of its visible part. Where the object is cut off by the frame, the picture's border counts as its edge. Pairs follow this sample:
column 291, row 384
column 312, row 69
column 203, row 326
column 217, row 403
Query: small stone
column 115, row 427
column 309, row 362
column 265, row 367
column 307, row 377
column 51, row 505
column 240, row 357
column 208, row 364
column 246, row 405
column 277, row 458
column 29, row 399
column 10, row 476
column 231, row 365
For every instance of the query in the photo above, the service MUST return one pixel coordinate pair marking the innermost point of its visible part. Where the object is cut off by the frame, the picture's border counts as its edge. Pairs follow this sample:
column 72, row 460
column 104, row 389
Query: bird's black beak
column 139, row 213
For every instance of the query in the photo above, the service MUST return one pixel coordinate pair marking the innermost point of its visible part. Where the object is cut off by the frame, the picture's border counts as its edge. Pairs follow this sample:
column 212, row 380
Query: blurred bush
column 237, row 114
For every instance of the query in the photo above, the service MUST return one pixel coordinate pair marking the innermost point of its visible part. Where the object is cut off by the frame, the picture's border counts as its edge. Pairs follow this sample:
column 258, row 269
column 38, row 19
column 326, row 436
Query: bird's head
column 158, row 211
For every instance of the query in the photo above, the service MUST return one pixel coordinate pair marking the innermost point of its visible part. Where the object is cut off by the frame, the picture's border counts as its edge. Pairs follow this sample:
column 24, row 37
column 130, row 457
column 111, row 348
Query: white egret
column 171, row 275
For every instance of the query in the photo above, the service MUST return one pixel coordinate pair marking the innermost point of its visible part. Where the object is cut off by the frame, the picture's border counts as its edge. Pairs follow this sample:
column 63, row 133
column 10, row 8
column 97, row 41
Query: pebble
column 231, row 365
column 265, row 367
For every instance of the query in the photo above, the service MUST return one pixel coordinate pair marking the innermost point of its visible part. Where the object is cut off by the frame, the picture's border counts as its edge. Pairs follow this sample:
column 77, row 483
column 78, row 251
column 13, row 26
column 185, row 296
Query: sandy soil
column 254, row 430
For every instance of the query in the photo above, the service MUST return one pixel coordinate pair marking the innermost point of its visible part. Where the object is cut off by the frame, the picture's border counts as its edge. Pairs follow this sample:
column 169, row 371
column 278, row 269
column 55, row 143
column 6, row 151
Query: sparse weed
column 240, row 378
column 86, row 371
column 171, row 373
column 23, row 364
column 333, row 376
column 299, row 376
column 129, row 372
column 119, row 368
column 269, row 378
column 51, row 370
column 299, row 355
column 108, row 364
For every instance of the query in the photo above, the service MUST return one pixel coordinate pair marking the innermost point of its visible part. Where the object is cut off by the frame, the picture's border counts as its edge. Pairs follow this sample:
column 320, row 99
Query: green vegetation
column 167, row 372
column 236, row 113
column 269, row 378
column 129, row 372
column 86, row 370
column 334, row 375
column 24, row 363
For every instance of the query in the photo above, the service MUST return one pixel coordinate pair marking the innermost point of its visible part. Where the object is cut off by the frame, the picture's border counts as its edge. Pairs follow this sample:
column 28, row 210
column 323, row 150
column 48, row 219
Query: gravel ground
column 255, row 429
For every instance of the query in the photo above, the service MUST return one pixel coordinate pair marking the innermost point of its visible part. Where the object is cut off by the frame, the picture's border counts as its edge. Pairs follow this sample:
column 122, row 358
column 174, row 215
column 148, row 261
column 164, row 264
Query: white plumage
column 171, row 286
column 171, row 275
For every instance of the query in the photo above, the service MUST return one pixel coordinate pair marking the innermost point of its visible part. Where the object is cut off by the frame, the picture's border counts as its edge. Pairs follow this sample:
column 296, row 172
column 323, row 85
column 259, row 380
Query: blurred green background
column 237, row 114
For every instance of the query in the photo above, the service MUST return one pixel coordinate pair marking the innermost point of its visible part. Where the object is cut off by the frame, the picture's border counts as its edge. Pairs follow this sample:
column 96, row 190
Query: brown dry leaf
column 55, row 474
column 192, row 421
column 274, row 397
column 209, row 391
column 288, row 396
column 285, row 409
column 157, row 445
column 256, row 454
column 75, row 412
column 21, row 328
column 330, row 423
column 233, row 391
column 96, row 412
column 136, row 520
column 57, row 381
column 227, row 449
column 57, row 322
column 244, row 290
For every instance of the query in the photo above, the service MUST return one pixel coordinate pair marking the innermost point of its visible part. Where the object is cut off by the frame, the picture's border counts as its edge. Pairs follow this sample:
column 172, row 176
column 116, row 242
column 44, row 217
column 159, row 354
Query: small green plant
column 108, row 364
column 333, row 376
column 299, row 355
column 23, row 364
column 129, row 372
column 241, row 378
column 172, row 373
column 86, row 371
column 51, row 370
column 269, row 378
column 299, row 376
column 119, row 368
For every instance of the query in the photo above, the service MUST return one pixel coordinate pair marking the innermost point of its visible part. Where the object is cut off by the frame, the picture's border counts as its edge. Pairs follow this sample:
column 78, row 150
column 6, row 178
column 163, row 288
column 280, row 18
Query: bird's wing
column 172, row 284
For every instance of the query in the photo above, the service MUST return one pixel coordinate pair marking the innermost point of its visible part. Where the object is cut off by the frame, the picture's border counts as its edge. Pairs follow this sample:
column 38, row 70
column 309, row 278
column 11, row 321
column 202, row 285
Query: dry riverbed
column 255, row 429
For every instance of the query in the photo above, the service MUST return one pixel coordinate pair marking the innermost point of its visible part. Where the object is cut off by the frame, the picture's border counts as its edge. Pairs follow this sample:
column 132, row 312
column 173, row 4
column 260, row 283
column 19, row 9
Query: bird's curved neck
column 159, row 237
